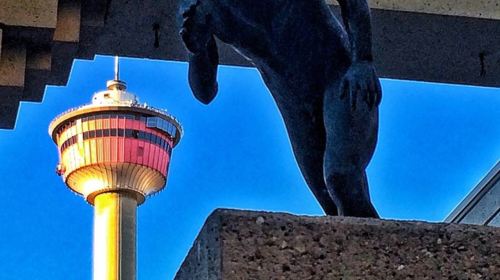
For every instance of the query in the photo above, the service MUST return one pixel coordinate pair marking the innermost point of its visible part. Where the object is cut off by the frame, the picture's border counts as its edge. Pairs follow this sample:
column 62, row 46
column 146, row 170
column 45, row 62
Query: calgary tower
column 115, row 152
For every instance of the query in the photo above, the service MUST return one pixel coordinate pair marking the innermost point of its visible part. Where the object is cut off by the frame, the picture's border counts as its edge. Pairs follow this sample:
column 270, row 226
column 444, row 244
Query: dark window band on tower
column 86, row 119
column 127, row 133
column 151, row 122
column 161, row 124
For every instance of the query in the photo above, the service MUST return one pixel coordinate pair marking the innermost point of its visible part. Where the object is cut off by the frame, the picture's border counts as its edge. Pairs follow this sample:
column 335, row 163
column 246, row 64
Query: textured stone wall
column 259, row 245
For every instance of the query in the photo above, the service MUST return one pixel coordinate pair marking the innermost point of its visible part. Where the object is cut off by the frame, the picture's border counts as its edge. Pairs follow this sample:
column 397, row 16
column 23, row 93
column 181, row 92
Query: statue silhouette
column 319, row 72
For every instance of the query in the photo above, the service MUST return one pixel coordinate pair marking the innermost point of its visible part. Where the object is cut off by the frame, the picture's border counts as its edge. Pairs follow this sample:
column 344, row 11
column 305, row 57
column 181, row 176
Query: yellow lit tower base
column 115, row 152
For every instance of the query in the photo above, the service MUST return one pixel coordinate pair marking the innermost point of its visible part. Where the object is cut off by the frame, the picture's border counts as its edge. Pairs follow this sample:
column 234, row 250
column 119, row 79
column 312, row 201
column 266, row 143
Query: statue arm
column 357, row 21
column 361, row 81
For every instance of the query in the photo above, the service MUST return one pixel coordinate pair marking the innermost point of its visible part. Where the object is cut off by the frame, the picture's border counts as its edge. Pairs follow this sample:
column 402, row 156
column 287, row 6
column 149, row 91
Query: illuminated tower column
column 115, row 153
column 115, row 236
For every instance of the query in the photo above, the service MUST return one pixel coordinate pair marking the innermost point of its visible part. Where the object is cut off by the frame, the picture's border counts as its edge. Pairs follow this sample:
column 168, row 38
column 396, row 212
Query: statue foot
column 349, row 193
column 362, row 211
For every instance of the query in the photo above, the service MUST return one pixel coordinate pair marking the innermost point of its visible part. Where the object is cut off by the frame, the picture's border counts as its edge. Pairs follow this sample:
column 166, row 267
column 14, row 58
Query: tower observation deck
column 115, row 152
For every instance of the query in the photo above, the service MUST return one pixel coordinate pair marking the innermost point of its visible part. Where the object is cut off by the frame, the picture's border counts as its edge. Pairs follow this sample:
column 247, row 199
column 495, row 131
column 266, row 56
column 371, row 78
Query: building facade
column 482, row 205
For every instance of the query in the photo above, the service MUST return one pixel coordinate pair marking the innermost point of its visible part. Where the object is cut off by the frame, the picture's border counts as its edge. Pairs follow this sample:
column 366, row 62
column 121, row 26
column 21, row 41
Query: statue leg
column 304, row 123
column 351, row 136
column 203, row 55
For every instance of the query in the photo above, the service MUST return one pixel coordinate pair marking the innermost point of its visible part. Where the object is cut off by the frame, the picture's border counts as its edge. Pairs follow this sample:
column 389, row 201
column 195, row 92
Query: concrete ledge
column 258, row 245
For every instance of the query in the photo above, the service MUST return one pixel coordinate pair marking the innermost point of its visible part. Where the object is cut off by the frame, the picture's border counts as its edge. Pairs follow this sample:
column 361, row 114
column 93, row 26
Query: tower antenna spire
column 117, row 68
column 116, row 84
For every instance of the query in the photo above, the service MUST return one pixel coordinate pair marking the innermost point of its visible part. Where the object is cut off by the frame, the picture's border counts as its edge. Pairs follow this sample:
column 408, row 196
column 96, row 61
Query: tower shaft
column 115, row 236
column 115, row 152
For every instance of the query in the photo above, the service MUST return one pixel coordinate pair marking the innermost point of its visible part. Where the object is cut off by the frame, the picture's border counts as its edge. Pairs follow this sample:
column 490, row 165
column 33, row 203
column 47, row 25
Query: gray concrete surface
column 259, row 245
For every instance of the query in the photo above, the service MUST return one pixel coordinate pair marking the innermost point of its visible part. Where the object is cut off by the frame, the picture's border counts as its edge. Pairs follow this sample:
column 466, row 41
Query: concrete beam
column 12, row 65
column 486, row 9
column 436, row 48
column 12, row 77
column 445, row 41
column 39, row 59
column 68, row 21
column 434, row 43
column 38, row 69
column 9, row 105
column 258, row 245
column 66, row 40
column 29, row 13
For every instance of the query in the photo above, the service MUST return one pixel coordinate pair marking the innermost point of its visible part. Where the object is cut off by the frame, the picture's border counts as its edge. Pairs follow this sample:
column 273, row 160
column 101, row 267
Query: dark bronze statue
column 320, row 74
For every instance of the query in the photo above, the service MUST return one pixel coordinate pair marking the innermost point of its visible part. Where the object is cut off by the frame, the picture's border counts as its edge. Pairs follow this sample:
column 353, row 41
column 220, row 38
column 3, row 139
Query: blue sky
column 436, row 142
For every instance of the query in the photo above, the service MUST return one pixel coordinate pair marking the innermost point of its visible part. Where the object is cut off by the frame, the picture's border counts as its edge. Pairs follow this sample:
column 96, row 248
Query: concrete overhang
column 446, row 41
column 486, row 9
